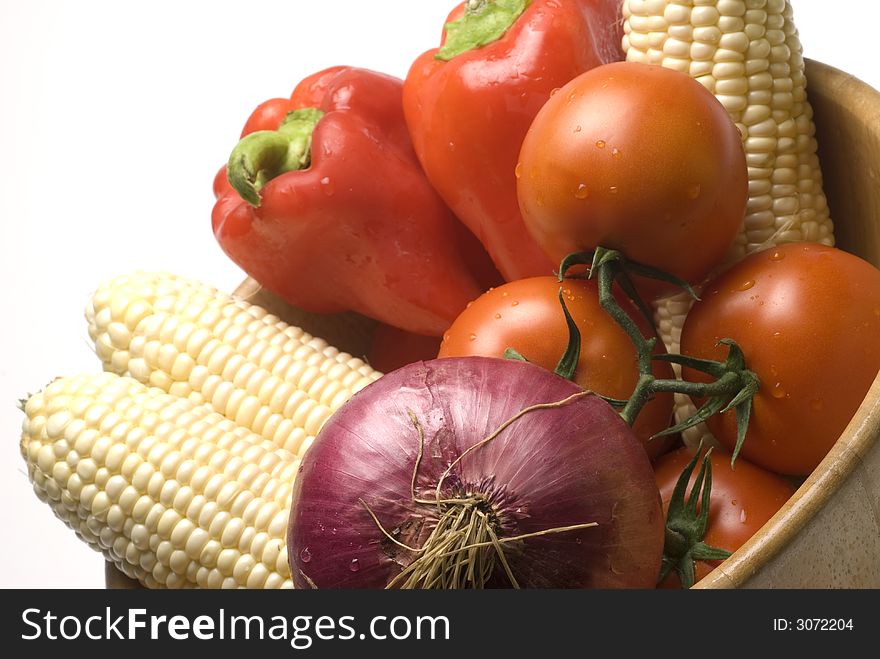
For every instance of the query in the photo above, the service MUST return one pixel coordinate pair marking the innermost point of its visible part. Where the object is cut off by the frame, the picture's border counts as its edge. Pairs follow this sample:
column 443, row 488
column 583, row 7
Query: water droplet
column 491, row 288
column 305, row 555
column 746, row 285
column 497, row 316
column 816, row 405
column 600, row 144
column 327, row 186
column 615, row 152
column 613, row 189
column 554, row 91
column 472, row 337
column 777, row 335
column 446, row 336
column 778, row 391
column 581, row 192
column 354, row 566
column 742, row 516
column 452, row 146
column 514, row 303
column 578, row 129
column 694, row 191
column 469, row 304
column 503, row 293
column 518, row 170
column 776, row 255
column 566, row 291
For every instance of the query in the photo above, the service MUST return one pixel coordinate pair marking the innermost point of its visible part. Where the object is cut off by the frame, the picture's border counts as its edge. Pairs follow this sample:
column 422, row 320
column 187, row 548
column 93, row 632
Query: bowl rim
column 857, row 439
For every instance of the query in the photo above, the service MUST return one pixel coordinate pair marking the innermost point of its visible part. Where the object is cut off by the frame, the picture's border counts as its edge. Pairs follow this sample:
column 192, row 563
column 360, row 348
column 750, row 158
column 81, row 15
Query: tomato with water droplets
column 807, row 318
column 742, row 501
column 636, row 158
column 526, row 315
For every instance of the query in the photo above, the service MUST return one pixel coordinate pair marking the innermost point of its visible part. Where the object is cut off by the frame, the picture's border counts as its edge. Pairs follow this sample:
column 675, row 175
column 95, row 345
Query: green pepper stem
column 265, row 154
column 483, row 22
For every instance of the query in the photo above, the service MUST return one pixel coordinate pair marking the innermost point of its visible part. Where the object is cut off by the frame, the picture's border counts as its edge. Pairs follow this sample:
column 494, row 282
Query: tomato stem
column 568, row 363
column 265, row 154
column 686, row 525
column 734, row 384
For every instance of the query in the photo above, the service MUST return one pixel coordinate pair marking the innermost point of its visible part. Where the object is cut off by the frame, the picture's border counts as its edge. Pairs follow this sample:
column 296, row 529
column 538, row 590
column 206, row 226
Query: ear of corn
column 747, row 53
column 171, row 492
column 194, row 341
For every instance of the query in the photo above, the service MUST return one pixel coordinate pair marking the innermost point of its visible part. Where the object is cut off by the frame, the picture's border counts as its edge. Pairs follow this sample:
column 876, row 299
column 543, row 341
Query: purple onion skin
column 552, row 468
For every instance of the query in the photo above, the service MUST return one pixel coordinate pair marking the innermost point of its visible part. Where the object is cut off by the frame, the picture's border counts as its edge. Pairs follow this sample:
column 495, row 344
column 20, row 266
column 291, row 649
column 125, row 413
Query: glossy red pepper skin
column 468, row 116
column 360, row 228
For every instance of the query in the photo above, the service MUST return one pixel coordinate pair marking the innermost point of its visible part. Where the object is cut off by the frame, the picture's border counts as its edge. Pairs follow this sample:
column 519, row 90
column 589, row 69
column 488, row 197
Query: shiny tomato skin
column 638, row 158
column 526, row 315
column 742, row 500
column 807, row 318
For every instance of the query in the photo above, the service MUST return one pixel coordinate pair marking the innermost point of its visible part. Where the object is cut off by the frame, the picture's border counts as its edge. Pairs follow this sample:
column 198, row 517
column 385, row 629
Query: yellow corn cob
column 171, row 492
column 194, row 341
column 747, row 53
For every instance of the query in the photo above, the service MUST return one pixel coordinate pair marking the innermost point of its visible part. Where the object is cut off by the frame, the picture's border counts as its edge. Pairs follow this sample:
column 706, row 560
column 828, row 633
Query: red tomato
column 742, row 501
column 636, row 158
column 526, row 315
column 392, row 348
column 807, row 318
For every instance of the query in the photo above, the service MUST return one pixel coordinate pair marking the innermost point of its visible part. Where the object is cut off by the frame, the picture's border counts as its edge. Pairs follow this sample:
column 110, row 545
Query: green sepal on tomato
column 469, row 104
column 636, row 158
column 807, row 318
column 741, row 501
column 526, row 315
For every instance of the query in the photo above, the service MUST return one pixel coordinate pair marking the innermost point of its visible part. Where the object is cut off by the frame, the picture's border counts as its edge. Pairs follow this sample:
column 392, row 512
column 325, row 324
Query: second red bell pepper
column 326, row 205
column 469, row 104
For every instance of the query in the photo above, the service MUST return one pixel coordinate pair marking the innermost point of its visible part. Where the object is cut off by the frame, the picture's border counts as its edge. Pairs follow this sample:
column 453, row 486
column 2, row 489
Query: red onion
column 365, row 511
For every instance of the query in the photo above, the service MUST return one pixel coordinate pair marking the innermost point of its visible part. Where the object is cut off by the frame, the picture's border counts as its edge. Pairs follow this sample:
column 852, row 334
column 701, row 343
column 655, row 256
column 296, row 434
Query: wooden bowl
column 828, row 534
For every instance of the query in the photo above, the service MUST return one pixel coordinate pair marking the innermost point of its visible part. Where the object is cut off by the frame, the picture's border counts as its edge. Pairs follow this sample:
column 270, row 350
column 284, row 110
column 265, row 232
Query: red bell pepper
column 470, row 103
column 326, row 205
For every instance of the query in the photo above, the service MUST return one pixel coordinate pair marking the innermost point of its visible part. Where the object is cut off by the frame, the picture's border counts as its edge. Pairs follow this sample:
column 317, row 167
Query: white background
column 114, row 118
